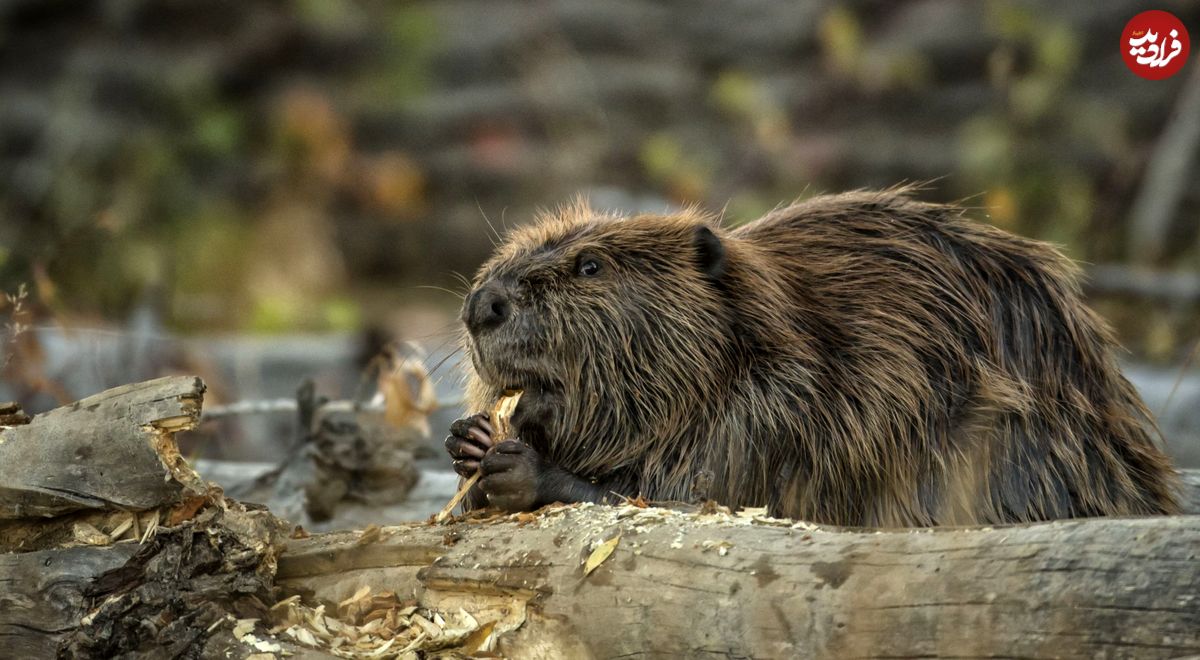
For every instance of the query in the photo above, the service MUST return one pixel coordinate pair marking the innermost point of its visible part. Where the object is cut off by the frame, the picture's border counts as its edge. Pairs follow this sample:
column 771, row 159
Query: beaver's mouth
column 525, row 382
column 505, row 370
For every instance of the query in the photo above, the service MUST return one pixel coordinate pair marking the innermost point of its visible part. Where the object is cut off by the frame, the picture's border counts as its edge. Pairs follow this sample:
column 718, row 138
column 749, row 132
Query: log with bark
column 114, row 450
column 114, row 545
column 208, row 577
column 687, row 585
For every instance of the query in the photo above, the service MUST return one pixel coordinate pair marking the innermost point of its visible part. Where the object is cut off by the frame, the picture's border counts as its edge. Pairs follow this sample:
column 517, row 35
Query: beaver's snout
column 487, row 307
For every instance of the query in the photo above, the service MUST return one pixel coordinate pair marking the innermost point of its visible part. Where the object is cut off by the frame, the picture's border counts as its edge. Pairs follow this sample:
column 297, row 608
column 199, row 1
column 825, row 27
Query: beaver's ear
column 710, row 252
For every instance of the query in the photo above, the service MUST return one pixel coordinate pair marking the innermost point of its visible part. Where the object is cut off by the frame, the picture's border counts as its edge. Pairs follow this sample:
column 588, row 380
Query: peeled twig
column 501, row 415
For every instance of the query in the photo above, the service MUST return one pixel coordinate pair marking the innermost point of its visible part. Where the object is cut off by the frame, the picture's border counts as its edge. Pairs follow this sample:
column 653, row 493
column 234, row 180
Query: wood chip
column 86, row 534
column 362, row 593
column 120, row 529
column 370, row 625
column 370, row 534
column 150, row 524
column 243, row 627
column 285, row 602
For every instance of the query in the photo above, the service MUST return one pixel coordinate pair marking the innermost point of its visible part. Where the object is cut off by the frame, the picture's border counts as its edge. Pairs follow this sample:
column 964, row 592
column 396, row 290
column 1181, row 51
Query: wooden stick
column 501, row 415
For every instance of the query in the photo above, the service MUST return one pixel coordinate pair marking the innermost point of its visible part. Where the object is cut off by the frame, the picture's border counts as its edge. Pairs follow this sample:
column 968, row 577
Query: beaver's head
column 601, row 319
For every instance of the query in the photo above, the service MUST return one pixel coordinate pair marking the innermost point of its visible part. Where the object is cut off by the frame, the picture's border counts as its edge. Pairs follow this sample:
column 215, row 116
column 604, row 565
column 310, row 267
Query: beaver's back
column 957, row 377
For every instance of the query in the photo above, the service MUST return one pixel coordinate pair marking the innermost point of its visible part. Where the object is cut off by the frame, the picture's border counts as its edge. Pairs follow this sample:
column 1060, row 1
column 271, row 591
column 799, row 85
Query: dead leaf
column 480, row 640
column 601, row 553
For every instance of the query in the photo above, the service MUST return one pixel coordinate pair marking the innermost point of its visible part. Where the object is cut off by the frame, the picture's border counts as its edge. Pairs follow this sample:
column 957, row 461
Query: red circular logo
column 1155, row 44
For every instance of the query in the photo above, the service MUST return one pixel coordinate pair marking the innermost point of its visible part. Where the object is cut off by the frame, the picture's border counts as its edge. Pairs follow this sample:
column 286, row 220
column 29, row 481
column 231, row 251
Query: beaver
column 863, row 359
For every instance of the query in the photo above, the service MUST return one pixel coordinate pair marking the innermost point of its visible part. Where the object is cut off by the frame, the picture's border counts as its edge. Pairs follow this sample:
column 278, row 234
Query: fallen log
column 687, row 585
column 197, row 574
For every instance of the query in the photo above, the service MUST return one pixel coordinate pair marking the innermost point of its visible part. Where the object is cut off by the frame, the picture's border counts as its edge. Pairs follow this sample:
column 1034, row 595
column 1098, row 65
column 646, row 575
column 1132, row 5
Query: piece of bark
column 168, row 598
column 689, row 585
column 12, row 415
column 501, row 416
column 165, row 597
column 114, row 450
column 42, row 594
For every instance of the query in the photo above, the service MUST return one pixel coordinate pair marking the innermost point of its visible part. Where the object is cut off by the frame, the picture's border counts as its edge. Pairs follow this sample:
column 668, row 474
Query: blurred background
column 264, row 191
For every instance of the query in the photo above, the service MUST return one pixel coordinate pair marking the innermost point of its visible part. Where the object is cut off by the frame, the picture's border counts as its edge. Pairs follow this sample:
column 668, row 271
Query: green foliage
column 401, row 72
column 1011, row 150
column 154, row 174
column 341, row 314
column 683, row 173
column 856, row 59
column 736, row 94
column 218, row 132
column 842, row 41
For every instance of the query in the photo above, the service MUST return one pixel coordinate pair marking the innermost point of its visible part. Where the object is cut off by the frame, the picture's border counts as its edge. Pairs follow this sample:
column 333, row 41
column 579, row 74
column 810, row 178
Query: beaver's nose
column 487, row 307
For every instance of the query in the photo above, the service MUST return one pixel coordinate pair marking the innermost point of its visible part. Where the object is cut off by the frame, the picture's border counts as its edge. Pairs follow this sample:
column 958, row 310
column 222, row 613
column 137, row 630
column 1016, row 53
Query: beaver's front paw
column 512, row 471
column 470, row 438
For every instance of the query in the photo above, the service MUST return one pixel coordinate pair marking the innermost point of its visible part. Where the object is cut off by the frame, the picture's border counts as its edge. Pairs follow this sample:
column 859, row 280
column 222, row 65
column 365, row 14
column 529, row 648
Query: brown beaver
column 861, row 359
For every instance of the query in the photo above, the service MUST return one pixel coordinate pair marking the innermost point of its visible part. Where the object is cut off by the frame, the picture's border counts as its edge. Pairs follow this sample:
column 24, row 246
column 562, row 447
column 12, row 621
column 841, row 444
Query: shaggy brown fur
column 859, row 359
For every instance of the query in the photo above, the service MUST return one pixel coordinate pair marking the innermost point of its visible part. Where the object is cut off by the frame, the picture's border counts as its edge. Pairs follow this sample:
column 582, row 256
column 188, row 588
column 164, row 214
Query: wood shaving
column 381, row 625
column 86, row 534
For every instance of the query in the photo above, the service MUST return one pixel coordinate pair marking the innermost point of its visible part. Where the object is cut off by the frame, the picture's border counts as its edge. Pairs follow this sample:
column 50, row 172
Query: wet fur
column 860, row 359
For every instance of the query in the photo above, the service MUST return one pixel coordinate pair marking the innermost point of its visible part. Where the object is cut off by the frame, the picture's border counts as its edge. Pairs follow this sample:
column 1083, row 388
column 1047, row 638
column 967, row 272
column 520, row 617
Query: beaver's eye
column 587, row 268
